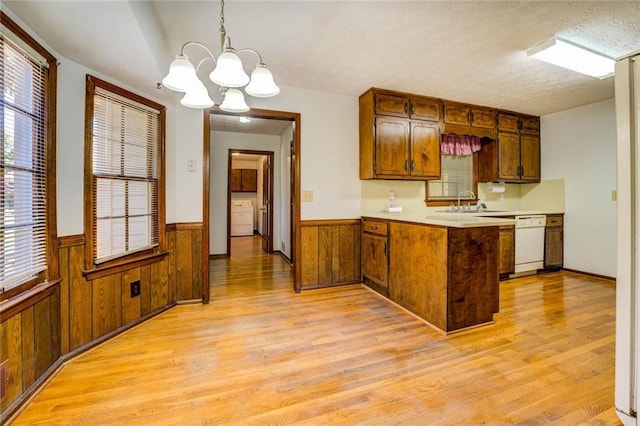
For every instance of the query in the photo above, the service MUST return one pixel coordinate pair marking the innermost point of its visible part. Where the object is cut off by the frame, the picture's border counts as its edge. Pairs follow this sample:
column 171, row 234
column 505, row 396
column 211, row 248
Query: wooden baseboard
column 590, row 274
column 218, row 256
column 284, row 256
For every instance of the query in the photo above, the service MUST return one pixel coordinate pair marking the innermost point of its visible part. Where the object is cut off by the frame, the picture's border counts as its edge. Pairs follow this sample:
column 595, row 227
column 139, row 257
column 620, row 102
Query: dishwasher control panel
column 532, row 221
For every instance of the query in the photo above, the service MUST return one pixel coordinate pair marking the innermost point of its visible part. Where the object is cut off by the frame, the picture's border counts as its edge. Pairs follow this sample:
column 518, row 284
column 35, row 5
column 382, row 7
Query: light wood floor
column 261, row 354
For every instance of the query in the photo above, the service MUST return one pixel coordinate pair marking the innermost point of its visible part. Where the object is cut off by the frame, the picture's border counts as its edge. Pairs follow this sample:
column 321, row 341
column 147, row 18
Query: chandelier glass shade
column 228, row 73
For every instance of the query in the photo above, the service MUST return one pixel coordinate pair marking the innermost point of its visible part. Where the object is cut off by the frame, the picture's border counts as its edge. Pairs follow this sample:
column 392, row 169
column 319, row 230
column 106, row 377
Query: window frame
column 137, row 258
column 447, row 201
column 51, row 272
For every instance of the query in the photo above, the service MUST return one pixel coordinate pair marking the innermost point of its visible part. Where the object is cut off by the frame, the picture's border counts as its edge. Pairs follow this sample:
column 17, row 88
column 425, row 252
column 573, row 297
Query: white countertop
column 457, row 220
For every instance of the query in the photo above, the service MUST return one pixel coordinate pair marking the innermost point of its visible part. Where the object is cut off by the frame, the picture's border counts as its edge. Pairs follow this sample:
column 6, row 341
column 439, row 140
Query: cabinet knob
column 413, row 165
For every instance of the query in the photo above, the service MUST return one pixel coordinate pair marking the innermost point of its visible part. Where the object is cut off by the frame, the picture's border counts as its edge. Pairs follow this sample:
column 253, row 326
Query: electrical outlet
column 307, row 196
column 614, row 195
column 282, row 245
column 191, row 166
column 135, row 288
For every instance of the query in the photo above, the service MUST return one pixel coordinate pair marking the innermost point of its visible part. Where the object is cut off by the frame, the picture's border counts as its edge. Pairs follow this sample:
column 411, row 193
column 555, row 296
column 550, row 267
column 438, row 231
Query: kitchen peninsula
column 443, row 268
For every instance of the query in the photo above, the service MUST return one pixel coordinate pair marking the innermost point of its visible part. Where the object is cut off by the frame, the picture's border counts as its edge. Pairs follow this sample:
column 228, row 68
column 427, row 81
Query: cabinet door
column 392, row 146
column 530, row 125
column 374, row 259
column 456, row 114
column 425, row 150
column 508, row 122
column 422, row 108
column 397, row 106
column 249, row 180
column 530, row 158
column 483, row 117
column 508, row 156
column 506, row 257
column 236, row 180
column 553, row 247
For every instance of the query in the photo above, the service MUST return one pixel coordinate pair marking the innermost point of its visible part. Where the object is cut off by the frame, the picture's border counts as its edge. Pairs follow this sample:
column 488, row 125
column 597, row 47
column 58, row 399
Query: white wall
column 284, row 245
column 221, row 142
column 579, row 146
column 329, row 149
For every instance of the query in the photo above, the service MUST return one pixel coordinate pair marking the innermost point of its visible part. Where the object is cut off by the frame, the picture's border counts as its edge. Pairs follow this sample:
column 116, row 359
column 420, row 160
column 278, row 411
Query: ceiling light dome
column 197, row 97
column 229, row 72
column 182, row 75
column 262, row 84
column 234, row 101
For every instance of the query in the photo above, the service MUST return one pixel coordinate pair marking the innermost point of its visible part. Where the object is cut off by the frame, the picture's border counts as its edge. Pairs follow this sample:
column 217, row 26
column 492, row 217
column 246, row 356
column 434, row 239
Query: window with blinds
column 125, row 139
column 23, row 159
column 456, row 176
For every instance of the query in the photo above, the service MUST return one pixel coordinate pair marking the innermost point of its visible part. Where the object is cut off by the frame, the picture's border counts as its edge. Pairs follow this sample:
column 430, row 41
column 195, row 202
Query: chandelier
column 228, row 74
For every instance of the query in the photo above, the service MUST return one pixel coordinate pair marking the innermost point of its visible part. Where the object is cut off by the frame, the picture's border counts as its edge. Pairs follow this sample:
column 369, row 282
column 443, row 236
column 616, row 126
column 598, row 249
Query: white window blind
column 457, row 176
column 22, row 164
column 125, row 176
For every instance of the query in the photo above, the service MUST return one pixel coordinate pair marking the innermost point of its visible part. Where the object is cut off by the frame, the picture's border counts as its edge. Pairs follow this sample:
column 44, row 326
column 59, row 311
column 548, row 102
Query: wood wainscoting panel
column 185, row 260
column 28, row 347
column 145, row 288
column 107, row 304
column 80, row 297
column 131, row 308
column 330, row 252
column 159, row 294
column 11, row 349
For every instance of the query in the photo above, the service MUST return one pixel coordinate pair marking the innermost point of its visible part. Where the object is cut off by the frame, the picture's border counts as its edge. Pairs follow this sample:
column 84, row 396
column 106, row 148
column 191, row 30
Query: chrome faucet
column 465, row 192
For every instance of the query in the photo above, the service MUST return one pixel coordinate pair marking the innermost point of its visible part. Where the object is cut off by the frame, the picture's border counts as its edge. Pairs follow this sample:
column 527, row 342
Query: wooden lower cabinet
column 554, row 242
column 507, row 258
column 375, row 259
column 447, row 276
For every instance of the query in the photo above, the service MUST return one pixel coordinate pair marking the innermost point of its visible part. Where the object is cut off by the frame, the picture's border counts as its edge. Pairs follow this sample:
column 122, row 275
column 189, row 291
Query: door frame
column 295, row 197
column 271, row 156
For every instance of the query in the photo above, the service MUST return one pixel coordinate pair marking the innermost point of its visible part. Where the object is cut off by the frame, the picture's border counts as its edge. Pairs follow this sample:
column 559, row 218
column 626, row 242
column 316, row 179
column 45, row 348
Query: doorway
column 250, row 188
column 292, row 243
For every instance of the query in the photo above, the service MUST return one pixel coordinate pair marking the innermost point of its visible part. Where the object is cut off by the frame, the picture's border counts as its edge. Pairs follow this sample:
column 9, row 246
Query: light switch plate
column 614, row 195
column 307, row 196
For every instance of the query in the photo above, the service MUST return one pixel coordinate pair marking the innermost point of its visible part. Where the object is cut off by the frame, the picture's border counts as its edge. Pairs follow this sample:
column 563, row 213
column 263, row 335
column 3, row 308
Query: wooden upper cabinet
column 414, row 107
column 244, row 180
column 393, row 105
column 469, row 115
column 399, row 136
column 514, row 156
column 423, row 108
column 425, row 150
column 392, row 146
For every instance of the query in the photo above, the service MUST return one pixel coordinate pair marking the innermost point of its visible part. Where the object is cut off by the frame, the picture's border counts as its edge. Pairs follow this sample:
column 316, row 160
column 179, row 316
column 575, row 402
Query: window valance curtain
column 453, row 144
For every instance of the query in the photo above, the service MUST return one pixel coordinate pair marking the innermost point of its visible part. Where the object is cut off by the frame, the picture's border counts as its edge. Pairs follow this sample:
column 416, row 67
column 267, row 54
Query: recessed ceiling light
column 571, row 56
column 245, row 120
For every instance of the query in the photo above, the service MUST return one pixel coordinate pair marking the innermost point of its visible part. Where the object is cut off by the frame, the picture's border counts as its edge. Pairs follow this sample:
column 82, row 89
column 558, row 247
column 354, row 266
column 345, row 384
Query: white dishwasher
column 529, row 243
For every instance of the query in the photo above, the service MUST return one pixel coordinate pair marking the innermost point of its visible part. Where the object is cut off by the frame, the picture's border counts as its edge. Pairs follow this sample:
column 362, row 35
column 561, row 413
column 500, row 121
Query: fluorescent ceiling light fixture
column 576, row 58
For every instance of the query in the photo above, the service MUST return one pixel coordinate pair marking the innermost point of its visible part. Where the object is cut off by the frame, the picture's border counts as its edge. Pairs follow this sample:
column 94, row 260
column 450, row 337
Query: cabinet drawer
column 374, row 227
column 554, row 220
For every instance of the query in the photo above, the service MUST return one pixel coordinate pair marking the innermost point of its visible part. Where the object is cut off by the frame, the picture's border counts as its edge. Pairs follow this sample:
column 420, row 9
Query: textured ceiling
column 472, row 51
column 260, row 126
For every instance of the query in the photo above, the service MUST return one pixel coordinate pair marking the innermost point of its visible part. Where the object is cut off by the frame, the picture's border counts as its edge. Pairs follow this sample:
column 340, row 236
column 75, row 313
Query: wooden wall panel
column 196, row 264
column 42, row 327
column 28, row 347
column 159, row 285
column 309, row 237
column 171, row 259
column 325, row 258
column 145, row 289
column 107, row 304
column 330, row 253
column 63, row 260
column 80, row 300
column 130, row 305
column 11, row 349
column 184, row 265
